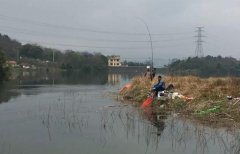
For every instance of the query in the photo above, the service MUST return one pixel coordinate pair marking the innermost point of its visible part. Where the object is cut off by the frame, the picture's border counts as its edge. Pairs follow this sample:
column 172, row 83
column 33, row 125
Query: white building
column 114, row 61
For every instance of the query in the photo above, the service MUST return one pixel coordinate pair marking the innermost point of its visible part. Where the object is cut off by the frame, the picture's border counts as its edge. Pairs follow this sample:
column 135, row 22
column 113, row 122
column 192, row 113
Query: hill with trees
column 10, row 47
column 4, row 71
column 131, row 63
column 205, row 66
column 39, row 56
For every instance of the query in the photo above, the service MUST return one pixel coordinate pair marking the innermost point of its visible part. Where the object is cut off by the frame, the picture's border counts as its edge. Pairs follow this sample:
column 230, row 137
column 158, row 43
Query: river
column 44, row 114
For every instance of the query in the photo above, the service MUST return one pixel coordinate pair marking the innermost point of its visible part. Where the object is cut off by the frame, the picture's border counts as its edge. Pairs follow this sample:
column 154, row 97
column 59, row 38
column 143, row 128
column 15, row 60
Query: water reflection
column 6, row 92
column 69, row 118
column 71, row 77
column 176, row 134
column 66, row 77
column 114, row 79
column 23, row 82
column 117, row 78
column 156, row 119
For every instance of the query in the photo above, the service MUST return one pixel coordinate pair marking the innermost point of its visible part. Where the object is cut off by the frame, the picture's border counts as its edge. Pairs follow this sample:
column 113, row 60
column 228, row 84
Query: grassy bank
column 209, row 104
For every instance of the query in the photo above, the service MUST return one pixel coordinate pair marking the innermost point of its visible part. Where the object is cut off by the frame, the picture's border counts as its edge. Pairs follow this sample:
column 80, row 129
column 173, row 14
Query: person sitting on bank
column 160, row 86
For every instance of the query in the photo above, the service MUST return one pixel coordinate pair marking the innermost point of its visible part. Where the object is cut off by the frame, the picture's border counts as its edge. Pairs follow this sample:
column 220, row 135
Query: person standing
column 148, row 73
column 153, row 73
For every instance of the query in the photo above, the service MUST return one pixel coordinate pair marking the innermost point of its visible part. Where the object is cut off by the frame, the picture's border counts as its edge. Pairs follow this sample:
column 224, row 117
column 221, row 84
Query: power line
column 97, row 47
column 84, row 46
column 39, row 23
column 30, row 32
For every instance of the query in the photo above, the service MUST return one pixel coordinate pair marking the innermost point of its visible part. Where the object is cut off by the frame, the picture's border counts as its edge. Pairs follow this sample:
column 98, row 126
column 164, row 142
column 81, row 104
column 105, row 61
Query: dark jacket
column 160, row 86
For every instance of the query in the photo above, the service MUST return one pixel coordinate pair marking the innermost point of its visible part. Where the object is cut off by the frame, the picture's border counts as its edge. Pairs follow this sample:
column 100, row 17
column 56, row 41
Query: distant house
column 25, row 66
column 114, row 61
column 11, row 63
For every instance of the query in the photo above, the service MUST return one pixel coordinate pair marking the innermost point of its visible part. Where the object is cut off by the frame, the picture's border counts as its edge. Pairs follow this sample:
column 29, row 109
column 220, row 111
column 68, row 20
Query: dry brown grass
column 139, row 89
column 207, row 93
column 199, row 87
column 192, row 86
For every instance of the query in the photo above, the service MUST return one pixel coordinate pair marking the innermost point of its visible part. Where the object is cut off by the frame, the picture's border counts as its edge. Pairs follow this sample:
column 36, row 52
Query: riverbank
column 210, row 103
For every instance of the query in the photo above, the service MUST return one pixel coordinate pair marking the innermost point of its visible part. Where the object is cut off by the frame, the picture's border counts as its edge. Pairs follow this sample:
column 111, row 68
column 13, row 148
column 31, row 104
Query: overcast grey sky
column 113, row 26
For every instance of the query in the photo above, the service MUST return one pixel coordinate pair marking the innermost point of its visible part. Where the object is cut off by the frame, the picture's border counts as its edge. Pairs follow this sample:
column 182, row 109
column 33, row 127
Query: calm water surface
column 57, row 116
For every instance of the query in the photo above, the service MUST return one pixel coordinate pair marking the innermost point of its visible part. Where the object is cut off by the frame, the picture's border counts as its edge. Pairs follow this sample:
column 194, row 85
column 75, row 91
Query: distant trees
column 32, row 51
column 130, row 63
column 4, row 71
column 38, row 55
column 68, row 60
column 35, row 51
column 10, row 47
column 85, row 61
column 205, row 66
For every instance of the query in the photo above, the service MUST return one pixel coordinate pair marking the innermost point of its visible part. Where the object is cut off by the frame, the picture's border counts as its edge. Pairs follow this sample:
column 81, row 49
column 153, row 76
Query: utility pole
column 53, row 57
column 18, row 56
column 199, row 42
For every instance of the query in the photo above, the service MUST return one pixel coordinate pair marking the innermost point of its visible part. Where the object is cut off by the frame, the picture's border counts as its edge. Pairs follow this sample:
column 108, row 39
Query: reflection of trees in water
column 35, row 78
column 64, row 77
column 75, row 77
column 81, row 77
column 5, row 92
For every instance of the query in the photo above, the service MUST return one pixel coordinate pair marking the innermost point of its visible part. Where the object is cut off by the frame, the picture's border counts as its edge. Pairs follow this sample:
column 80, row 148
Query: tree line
column 37, row 55
column 4, row 71
column 205, row 66
column 131, row 63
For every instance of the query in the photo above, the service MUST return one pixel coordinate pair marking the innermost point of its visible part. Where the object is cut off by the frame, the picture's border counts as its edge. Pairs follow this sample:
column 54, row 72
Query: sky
column 120, row 26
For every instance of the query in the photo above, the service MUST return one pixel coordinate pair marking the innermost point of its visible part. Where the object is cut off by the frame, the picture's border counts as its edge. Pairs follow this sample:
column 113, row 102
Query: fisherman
column 148, row 73
column 160, row 86
column 153, row 73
